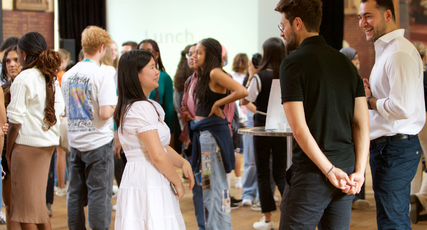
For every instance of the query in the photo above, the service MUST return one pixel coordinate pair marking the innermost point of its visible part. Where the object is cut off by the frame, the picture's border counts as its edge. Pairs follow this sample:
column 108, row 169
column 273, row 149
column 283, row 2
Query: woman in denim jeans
column 211, row 130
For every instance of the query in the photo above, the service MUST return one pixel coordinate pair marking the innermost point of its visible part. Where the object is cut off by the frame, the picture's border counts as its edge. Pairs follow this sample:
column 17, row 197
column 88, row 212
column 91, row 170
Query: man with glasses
column 324, row 101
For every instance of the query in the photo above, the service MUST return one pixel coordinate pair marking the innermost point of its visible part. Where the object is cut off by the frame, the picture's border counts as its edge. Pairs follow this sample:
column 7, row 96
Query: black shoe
column 235, row 201
column 416, row 208
column 234, row 205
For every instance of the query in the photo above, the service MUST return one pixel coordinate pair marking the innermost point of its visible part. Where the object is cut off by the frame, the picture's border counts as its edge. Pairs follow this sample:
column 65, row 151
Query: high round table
column 261, row 131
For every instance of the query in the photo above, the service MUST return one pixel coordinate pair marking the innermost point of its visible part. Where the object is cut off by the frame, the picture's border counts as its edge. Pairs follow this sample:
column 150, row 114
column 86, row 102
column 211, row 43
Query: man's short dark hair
column 8, row 42
column 133, row 45
column 385, row 5
column 310, row 12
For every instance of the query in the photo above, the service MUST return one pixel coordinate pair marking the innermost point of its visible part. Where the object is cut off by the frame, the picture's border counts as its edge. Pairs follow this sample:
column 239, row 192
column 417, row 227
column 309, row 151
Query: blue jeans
column 216, row 193
column 393, row 167
column 198, row 205
column 310, row 200
column 250, row 184
column 91, row 183
column 197, row 198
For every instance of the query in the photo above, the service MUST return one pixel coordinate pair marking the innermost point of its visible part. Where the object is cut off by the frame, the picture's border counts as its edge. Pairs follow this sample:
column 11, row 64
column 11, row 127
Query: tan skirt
column 29, row 170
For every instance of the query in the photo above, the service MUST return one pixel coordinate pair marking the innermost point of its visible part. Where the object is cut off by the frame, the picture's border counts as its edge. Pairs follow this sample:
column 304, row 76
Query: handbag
column 63, row 138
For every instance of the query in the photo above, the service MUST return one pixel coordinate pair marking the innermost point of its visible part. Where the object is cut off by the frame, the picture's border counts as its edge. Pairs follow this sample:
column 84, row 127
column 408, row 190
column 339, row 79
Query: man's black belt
column 389, row 139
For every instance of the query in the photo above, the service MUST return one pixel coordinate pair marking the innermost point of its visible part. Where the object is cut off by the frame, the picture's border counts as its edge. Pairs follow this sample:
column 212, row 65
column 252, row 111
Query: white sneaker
column 2, row 218
column 61, row 191
column 247, row 202
column 276, row 199
column 238, row 182
column 115, row 189
column 256, row 207
column 263, row 225
column 114, row 207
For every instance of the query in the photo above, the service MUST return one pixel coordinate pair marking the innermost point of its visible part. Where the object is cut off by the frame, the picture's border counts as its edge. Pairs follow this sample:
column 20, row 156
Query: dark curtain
column 332, row 27
column 76, row 15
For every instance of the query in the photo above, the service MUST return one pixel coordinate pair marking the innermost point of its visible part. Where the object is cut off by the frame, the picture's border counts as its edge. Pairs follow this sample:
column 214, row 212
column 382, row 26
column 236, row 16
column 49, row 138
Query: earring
column 24, row 58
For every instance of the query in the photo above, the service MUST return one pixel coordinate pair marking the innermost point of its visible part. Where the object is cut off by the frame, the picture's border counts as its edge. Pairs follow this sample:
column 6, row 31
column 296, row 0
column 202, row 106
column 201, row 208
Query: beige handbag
column 63, row 139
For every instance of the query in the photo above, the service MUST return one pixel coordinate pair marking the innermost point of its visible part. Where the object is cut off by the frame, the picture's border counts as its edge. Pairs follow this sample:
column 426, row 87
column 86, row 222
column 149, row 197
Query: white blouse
column 142, row 117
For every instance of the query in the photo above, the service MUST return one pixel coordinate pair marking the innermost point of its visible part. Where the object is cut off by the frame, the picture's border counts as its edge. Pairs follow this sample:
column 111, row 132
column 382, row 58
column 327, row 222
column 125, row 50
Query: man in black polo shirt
column 324, row 100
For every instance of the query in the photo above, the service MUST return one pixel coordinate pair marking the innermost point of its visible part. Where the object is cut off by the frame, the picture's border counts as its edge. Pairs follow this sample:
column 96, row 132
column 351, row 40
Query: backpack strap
column 258, row 81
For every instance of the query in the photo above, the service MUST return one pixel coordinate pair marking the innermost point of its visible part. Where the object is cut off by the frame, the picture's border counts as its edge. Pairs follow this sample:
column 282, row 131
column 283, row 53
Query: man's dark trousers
column 393, row 167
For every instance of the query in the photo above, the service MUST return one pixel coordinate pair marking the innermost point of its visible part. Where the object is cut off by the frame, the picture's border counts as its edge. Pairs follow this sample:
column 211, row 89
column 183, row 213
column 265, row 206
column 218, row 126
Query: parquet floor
column 242, row 218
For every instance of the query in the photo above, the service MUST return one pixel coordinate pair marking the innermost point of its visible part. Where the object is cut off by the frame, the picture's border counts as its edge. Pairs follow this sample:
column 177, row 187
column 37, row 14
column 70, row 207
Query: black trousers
column 266, row 147
column 51, row 180
column 310, row 200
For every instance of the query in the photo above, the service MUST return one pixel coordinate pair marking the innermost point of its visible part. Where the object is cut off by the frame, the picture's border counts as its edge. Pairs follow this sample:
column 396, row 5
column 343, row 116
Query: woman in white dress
column 150, row 187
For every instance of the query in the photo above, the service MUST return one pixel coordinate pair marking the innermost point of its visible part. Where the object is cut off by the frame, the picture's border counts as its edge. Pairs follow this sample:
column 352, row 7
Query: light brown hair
column 92, row 39
column 240, row 63
column 107, row 59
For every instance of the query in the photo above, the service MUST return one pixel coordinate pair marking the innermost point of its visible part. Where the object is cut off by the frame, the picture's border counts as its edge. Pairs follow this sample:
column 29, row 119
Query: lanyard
column 90, row 60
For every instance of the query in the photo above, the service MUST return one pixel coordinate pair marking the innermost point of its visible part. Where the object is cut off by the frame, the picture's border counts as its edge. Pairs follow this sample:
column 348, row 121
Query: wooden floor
column 242, row 218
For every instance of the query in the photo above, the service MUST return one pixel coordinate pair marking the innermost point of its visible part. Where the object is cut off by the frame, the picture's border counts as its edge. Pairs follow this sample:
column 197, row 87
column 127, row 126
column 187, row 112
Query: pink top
column 187, row 107
column 190, row 99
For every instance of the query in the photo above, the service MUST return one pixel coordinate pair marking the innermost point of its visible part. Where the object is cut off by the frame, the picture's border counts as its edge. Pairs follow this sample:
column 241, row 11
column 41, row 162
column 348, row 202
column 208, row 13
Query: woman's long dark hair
column 274, row 53
column 130, row 91
column 48, row 62
column 4, row 75
column 156, row 48
column 183, row 71
column 4, row 72
column 213, row 59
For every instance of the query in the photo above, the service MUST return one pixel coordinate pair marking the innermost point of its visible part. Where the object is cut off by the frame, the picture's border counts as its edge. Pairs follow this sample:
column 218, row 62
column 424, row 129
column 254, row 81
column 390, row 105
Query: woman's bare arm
column 222, row 79
column 161, row 159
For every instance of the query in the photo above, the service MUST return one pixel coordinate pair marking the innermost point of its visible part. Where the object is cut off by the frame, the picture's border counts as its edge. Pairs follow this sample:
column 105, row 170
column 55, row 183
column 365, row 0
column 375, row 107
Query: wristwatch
column 367, row 101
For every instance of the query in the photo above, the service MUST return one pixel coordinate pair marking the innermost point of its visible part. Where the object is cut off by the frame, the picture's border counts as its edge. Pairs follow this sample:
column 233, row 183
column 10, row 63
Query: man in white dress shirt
column 395, row 98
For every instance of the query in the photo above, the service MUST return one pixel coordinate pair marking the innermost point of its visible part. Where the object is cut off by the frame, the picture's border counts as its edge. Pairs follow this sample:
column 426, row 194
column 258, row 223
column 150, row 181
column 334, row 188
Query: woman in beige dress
column 34, row 110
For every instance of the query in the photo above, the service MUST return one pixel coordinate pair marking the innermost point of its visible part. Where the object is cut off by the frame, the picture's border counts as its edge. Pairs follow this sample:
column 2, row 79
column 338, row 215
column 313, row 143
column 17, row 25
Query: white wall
column 268, row 19
column 176, row 23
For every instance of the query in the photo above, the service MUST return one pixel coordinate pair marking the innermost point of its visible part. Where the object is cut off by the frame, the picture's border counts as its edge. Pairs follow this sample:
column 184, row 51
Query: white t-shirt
column 239, row 77
column 86, row 87
column 253, row 90
column 109, row 69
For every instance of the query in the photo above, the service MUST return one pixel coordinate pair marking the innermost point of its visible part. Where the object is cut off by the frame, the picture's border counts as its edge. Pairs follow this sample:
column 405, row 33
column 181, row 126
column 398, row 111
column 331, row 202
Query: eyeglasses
column 281, row 28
